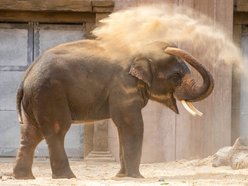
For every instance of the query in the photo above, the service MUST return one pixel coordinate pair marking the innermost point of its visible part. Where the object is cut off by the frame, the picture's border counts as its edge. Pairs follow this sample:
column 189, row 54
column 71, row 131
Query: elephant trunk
column 189, row 90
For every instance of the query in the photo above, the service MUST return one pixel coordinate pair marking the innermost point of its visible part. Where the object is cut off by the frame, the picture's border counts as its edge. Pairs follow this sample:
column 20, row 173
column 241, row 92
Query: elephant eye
column 176, row 78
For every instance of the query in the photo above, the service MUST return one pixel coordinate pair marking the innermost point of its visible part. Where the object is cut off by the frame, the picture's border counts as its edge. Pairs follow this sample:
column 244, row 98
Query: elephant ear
column 141, row 69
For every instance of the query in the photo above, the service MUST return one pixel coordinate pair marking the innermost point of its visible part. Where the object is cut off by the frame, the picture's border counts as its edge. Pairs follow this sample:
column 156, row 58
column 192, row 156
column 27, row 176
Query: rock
column 222, row 157
column 239, row 161
column 235, row 156
column 161, row 179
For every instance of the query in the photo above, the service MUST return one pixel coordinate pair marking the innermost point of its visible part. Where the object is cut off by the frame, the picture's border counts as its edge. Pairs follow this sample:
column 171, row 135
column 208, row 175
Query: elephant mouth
column 171, row 103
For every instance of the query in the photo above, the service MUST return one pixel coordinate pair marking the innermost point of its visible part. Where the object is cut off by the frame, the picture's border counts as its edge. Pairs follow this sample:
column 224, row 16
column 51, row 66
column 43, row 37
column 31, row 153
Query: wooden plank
column 219, row 133
column 124, row 4
column 159, row 131
column 205, row 7
column 46, row 5
column 88, row 138
column 142, row 2
column 225, row 16
column 244, row 31
column 243, row 89
column 223, row 100
column 167, row 132
column 13, row 26
column 103, row 3
column 242, row 6
column 187, row 3
column 189, row 130
column 237, row 32
column 47, row 17
column 102, row 6
column 240, row 18
column 235, row 124
column 100, row 140
column 103, row 9
column 223, row 76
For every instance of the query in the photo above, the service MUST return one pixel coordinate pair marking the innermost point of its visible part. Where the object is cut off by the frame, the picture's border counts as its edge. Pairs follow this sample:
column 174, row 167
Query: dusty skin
column 194, row 172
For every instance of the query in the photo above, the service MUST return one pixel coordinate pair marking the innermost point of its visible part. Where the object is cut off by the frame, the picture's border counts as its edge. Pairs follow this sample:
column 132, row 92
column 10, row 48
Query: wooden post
column 96, row 136
column 237, row 31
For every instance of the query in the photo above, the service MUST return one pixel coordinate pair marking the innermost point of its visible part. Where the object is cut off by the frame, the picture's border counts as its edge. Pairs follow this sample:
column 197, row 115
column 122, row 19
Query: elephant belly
column 89, row 114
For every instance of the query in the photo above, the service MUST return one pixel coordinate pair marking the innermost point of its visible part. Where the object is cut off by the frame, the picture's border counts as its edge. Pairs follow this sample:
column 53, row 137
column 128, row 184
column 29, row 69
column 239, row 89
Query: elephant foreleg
column 122, row 171
column 130, row 129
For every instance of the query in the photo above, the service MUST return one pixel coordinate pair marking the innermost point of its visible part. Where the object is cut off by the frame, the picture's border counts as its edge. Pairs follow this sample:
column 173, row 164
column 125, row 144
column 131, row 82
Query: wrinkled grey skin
column 79, row 82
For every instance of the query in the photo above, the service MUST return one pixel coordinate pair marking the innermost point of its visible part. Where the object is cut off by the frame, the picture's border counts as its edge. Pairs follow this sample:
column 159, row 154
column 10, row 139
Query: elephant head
column 168, row 78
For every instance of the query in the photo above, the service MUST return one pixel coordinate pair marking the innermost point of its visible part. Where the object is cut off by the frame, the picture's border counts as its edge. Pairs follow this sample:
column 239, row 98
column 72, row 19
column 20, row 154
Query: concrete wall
column 168, row 136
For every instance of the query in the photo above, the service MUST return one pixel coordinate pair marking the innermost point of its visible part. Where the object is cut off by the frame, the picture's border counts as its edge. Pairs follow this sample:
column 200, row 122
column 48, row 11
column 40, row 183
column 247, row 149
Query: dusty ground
column 195, row 172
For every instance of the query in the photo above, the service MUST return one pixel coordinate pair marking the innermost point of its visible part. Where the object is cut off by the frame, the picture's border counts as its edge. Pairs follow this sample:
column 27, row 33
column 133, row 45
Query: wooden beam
column 242, row 6
column 235, row 124
column 103, row 3
column 102, row 6
column 240, row 18
column 46, row 5
column 47, row 17
column 244, row 31
column 88, row 138
column 99, row 9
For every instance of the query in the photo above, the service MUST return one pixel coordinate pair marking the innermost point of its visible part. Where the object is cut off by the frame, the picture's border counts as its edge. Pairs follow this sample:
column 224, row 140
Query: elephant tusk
column 190, row 108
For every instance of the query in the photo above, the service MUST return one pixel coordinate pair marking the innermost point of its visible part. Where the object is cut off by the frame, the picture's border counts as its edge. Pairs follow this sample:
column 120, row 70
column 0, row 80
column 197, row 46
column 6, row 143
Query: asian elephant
column 80, row 81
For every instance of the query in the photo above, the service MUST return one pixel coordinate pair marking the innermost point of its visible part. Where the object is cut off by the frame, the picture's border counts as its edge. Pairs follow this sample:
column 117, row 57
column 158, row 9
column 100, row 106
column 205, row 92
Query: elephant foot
column 136, row 175
column 119, row 175
column 63, row 174
column 23, row 174
column 133, row 175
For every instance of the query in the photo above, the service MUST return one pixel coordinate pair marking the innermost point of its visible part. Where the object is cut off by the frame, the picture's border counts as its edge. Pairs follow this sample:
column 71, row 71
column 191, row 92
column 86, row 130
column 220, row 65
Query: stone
column 235, row 156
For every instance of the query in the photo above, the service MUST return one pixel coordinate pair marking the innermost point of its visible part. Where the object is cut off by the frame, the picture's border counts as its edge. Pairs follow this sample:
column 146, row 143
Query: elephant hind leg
column 52, row 113
column 58, row 158
column 54, row 131
column 30, row 138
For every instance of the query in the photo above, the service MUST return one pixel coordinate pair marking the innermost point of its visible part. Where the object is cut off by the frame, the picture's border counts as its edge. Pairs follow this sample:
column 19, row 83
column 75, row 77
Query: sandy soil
column 195, row 172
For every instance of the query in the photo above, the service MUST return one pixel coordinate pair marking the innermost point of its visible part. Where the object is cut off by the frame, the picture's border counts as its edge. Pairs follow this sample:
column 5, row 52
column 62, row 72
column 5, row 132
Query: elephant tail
column 19, row 96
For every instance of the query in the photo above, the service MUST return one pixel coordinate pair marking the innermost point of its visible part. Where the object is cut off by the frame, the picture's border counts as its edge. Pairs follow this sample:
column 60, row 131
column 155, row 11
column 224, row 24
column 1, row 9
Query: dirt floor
column 195, row 172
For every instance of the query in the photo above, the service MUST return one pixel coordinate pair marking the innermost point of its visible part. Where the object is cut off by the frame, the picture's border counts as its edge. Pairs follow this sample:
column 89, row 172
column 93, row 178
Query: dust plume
column 125, row 33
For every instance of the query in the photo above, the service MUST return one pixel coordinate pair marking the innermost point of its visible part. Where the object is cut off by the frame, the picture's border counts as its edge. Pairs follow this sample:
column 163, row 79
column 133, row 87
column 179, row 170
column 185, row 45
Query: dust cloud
column 125, row 33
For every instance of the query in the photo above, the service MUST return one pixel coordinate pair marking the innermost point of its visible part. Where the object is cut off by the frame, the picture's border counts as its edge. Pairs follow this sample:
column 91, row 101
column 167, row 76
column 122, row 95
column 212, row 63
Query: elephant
column 80, row 82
